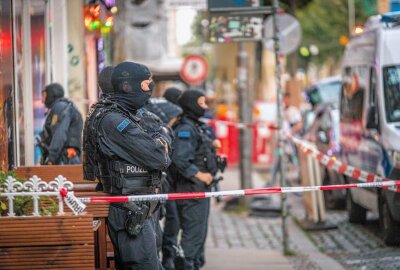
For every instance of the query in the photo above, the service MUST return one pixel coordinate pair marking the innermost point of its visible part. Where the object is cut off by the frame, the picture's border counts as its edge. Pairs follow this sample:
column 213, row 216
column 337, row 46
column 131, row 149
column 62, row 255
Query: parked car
column 324, row 133
column 321, row 127
column 370, row 119
column 325, row 91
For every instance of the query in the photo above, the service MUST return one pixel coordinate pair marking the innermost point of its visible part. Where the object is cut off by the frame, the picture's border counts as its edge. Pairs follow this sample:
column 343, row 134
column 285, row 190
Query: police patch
column 184, row 134
column 54, row 119
column 123, row 125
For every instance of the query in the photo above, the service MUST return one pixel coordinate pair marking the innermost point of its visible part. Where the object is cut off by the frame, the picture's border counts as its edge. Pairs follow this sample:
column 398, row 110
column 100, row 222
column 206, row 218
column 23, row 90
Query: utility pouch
column 222, row 162
column 116, row 179
column 135, row 218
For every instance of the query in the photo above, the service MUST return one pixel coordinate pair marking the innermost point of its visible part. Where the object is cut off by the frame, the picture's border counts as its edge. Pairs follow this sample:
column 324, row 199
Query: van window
column 391, row 84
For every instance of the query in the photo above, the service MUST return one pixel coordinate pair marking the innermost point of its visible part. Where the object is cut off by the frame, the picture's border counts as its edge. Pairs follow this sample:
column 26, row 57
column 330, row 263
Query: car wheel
column 390, row 228
column 357, row 213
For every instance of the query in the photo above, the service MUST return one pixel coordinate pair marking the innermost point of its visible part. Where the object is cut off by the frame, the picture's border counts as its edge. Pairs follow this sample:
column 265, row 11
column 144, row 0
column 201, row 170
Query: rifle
column 216, row 180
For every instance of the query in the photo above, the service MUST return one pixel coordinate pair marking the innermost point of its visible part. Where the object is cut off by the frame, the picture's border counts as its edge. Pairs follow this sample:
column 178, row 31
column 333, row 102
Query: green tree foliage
column 287, row 5
column 323, row 22
column 199, row 29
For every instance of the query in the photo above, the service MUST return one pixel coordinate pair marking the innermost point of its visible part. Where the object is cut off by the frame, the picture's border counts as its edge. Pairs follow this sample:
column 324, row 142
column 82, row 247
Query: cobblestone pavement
column 238, row 230
column 354, row 246
column 233, row 230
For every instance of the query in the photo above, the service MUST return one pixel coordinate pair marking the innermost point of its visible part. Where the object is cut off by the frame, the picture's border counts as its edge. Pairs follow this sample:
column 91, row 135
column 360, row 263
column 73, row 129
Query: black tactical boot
column 168, row 263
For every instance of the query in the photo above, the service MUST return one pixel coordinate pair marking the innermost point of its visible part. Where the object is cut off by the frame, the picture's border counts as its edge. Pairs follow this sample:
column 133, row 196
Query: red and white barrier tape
column 76, row 204
column 240, row 125
column 340, row 167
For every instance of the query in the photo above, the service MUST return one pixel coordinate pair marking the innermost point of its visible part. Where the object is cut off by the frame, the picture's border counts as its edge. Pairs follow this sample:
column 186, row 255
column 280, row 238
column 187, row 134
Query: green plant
column 23, row 205
column 48, row 206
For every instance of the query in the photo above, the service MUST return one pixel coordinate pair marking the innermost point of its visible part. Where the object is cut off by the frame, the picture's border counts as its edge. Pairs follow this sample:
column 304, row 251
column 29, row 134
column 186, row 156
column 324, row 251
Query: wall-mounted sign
column 232, row 3
column 225, row 29
column 195, row 4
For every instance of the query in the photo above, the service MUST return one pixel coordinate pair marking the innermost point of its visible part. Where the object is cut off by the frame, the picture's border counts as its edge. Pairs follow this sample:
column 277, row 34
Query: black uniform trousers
column 202, row 258
column 171, row 230
column 193, row 216
column 133, row 253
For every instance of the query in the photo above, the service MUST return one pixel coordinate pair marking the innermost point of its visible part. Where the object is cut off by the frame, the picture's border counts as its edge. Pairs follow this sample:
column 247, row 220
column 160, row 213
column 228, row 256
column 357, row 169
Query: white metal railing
column 34, row 188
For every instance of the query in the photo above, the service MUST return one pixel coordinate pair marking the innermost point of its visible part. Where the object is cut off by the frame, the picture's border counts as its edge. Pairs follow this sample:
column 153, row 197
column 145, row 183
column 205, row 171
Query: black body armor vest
column 117, row 176
column 205, row 157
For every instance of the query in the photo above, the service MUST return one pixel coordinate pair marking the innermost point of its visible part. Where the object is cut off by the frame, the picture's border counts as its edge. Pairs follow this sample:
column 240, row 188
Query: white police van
column 370, row 119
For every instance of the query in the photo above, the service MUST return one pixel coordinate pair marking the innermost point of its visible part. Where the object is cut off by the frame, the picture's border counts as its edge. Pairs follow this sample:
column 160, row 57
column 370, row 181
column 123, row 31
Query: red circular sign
column 194, row 69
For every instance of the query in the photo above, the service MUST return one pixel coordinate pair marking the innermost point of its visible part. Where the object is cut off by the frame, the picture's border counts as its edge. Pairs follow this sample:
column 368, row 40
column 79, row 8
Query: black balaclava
column 189, row 105
column 53, row 91
column 126, row 79
column 172, row 94
column 105, row 81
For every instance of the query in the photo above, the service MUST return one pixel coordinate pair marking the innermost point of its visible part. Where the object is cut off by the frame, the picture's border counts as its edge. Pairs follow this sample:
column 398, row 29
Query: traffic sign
column 289, row 33
column 194, row 69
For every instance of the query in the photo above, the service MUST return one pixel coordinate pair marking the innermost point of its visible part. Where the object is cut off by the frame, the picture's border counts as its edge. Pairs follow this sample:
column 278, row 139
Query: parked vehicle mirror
column 323, row 136
column 372, row 122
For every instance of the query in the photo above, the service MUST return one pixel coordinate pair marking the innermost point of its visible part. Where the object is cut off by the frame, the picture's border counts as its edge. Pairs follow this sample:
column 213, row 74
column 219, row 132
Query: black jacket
column 62, row 129
column 192, row 144
column 120, row 137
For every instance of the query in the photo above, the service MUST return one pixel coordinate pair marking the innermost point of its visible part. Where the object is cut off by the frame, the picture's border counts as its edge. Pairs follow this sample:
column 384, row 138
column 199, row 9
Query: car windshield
column 326, row 93
column 391, row 83
column 330, row 92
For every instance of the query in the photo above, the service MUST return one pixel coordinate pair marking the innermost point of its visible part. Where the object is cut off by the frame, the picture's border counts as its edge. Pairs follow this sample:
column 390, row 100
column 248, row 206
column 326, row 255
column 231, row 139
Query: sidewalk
column 238, row 259
column 236, row 241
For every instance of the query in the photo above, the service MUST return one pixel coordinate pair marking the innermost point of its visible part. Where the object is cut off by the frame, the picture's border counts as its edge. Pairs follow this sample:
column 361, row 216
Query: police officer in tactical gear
column 171, row 224
column 168, row 113
column 172, row 94
column 105, row 82
column 129, row 152
column 195, row 161
column 60, row 140
column 106, row 88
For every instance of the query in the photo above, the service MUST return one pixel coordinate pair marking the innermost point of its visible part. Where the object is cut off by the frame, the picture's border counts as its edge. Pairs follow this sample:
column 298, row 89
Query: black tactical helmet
column 172, row 94
column 164, row 109
column 105, row 80
column 53, row 91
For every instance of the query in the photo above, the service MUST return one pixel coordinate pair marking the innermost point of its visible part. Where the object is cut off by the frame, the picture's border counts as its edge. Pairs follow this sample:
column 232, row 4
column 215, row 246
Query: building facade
column 45, row 41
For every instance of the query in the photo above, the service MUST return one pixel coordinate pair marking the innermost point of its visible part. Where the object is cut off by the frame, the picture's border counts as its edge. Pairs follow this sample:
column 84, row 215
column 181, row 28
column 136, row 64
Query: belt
column 129, row 169
column 136, row 206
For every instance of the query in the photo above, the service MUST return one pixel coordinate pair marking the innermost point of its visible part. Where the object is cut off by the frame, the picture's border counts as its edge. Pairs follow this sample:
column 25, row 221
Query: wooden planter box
column 103, row 253
column 47, row 242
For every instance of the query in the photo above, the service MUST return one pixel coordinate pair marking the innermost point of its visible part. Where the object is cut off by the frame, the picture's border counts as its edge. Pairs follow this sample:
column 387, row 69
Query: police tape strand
column 240, row 125
column 340, row 167
column 77, row 204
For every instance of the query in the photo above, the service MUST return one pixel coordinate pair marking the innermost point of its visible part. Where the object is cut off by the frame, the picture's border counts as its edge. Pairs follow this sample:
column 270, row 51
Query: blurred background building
column 69, row 42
